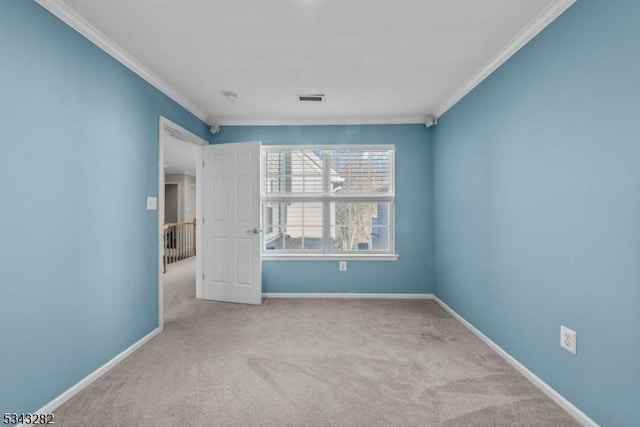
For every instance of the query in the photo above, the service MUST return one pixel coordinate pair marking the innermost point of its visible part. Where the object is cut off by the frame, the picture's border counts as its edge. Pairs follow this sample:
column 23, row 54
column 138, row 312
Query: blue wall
column 78, row 250
column 537, row 207
column 412, row 273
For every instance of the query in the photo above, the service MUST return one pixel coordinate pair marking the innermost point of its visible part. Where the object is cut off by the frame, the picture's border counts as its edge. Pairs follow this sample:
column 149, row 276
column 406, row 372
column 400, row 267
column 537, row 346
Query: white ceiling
column 375, row 60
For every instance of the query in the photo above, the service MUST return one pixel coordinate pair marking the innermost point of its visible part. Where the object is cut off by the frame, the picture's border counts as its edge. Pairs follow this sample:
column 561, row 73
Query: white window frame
column 327, row 197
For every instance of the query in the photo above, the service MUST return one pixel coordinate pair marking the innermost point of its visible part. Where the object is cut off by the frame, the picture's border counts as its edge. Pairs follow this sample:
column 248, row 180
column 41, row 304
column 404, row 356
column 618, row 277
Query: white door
column 231, row 265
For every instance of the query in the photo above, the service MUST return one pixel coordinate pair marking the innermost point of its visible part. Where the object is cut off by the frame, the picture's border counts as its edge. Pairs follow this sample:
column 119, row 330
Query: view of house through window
column 328, row 199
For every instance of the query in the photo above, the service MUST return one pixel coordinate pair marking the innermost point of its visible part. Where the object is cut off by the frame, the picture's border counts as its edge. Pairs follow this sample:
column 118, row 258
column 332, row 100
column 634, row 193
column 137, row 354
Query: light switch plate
column 568, row 339
column 152, row 203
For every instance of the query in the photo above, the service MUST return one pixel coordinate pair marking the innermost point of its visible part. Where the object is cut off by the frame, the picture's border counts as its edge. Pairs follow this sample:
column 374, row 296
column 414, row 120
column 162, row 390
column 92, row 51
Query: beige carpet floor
column 293, row 362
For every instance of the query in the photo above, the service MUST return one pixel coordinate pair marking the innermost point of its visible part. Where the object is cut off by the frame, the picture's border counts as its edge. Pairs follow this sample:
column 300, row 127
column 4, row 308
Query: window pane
column 273, row 244
column 360, row 226
column 359, row 171
column 380, row 238
column 294, row 171
column 268, row 216
column 271, row 224
column 296, row 226
column 271, row 215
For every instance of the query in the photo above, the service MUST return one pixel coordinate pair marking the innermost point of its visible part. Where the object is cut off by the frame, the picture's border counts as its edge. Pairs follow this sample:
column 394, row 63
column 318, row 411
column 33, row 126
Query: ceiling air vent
column 311, row 98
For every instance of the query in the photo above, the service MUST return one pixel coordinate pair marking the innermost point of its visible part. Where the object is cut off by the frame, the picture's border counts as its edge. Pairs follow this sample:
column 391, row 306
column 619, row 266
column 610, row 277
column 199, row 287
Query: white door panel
column 231, row 211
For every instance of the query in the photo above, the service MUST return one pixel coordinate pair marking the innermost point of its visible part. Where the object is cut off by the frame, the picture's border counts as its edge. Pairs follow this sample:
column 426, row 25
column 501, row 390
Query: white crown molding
column 390, row 120
column 574, row 411
column 539, row 23
column 82, row 26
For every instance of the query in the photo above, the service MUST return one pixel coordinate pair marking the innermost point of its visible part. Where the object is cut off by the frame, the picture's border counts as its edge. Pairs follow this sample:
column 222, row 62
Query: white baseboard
column 576, row 413
column 86, row 381
column 345, row 295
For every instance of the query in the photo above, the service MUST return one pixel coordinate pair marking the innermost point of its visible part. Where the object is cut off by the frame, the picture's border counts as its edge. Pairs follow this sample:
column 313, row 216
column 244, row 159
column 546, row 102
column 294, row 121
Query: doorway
column 179, row 151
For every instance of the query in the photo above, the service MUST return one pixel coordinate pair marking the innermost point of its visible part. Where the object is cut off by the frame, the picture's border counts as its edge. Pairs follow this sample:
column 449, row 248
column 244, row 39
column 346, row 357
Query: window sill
column 330, row 257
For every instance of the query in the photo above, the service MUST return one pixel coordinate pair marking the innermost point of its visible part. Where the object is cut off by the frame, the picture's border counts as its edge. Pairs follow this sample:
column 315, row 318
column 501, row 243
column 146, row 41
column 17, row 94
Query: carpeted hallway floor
column 313, row 362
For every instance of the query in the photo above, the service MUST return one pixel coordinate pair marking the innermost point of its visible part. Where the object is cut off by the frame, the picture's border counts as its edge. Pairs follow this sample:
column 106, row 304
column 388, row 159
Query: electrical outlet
column 342, row 265
column 568, row 339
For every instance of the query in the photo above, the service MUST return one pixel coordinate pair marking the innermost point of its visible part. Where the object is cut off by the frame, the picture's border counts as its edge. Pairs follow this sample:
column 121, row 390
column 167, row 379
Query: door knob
column 253, row 232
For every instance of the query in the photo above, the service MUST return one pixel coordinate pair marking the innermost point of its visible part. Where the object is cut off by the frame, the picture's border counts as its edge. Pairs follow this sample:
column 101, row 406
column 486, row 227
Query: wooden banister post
column 164, row 250
column 194, row 237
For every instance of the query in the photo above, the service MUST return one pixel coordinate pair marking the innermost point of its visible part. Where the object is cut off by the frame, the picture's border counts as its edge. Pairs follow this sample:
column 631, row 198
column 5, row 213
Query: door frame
column 167, row 127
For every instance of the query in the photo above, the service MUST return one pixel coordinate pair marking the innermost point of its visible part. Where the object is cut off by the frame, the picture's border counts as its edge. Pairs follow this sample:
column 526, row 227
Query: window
column 327, row 201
